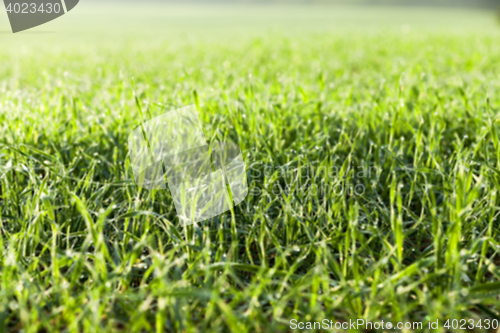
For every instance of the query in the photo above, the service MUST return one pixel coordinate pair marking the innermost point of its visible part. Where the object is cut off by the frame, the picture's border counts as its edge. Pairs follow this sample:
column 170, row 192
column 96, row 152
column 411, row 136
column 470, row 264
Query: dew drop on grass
column 13, row 305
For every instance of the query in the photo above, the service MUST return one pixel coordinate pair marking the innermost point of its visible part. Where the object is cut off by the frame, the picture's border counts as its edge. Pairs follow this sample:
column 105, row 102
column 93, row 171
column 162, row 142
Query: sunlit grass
column 83, row 249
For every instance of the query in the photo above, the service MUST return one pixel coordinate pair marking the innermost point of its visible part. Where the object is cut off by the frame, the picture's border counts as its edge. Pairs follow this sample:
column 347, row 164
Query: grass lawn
column 371, row 138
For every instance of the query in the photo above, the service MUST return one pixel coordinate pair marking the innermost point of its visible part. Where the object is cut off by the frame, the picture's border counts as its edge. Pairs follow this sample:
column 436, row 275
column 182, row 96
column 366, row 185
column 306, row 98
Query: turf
column 371, row 142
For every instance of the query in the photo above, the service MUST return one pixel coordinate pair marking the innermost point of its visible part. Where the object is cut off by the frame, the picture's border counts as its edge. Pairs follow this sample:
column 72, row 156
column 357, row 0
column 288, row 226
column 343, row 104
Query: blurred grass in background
column 410, row 92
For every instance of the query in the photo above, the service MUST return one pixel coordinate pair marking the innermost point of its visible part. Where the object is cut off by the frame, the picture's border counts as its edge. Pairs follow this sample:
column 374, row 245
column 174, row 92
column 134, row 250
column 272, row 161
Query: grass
column 372, row 152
